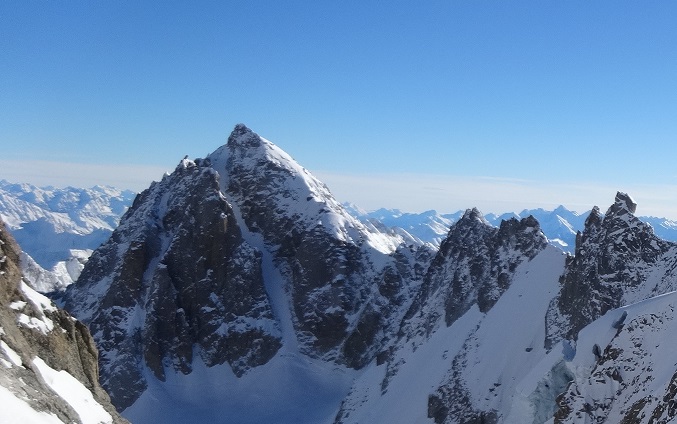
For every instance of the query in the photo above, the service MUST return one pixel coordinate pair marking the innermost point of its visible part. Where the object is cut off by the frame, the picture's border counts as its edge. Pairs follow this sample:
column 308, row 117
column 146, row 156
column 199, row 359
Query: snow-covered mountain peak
column 474, row 214
column 562, row 210
column 623, row 203
column 266, row 177
column 232, row 258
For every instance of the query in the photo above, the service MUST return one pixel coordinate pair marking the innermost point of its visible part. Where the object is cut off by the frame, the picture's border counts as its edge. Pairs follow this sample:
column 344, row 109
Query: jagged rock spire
column 613, row 255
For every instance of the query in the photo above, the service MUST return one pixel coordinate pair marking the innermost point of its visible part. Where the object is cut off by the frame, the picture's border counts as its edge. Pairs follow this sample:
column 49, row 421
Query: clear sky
column 440, row 105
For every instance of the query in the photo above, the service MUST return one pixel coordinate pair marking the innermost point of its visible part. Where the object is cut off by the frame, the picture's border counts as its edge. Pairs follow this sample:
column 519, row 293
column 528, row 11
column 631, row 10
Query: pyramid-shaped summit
column 237, row 260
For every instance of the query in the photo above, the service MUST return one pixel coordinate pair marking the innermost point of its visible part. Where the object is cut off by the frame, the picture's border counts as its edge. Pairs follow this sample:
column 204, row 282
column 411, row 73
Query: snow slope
column 495, row 349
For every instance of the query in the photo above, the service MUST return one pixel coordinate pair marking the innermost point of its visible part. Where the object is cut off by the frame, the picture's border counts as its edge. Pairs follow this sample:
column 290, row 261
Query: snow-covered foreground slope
column 48, row 370
column 556, row 329
column 624, row 369
column 496, row 367
column 290, row 389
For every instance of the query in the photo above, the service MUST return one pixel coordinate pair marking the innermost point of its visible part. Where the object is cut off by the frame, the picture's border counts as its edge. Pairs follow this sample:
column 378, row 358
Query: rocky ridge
column 583, row 338
column 618, row 261
column 474, row 265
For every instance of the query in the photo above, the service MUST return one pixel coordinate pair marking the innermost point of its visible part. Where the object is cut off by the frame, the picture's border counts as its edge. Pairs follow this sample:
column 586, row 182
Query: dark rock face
column 42, row 330
column 175, row 279
column 474, row 265
column 182, row 276
column 343, row 299
column 615, row 255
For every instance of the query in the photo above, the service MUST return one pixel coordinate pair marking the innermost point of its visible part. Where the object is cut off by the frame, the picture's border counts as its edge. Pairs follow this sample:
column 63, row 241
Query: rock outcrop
column 618, row 260
column 474, row 266
column 42, row 347
column 176, row 280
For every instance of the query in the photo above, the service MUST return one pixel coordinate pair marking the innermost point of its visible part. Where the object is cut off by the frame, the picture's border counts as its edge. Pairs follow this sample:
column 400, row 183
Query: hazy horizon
column 442, row 105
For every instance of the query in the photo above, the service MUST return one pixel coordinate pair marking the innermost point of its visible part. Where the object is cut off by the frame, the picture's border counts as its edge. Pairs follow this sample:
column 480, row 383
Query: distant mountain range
column 237, row 289
column 58, row 228
column 559, row 225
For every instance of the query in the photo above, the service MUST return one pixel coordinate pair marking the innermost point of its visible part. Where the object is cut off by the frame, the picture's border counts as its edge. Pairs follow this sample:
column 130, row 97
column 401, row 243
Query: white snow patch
column 42, row 302
column 15, row 410
column 406, row 398
column 18, row 305
column 44, row 325
column 14, row 358
column 73, row 392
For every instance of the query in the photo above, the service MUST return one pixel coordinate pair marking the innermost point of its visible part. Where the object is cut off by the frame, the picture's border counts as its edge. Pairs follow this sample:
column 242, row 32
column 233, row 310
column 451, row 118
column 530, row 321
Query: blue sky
column 417, row 105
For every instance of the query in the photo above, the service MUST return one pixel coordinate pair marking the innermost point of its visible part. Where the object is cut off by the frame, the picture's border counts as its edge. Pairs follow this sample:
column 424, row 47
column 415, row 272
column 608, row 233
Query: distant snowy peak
column 55, row 225
column 75, row 210
column 559, row 225
column 422, row 228
column 431, row 227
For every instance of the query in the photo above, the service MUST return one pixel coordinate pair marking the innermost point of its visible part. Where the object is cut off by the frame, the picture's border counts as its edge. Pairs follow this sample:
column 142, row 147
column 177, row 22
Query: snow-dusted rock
column 48, row 360
column 345, row 283
column 618, row 260
column 631, row 377
column 474, row 265
column 175, row 280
